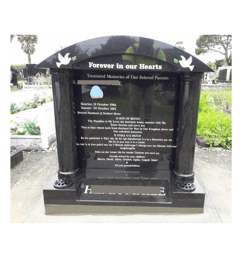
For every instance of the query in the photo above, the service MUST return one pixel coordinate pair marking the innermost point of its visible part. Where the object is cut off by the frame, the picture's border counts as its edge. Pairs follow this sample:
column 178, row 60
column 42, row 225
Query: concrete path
column 30, row 176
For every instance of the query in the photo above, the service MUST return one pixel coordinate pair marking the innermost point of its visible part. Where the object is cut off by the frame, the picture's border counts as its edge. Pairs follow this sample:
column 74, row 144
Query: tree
column 11, row 37
column 212, row 65
column 28, row 44
column 215, row 43
column 179, row 45
column 230, row 60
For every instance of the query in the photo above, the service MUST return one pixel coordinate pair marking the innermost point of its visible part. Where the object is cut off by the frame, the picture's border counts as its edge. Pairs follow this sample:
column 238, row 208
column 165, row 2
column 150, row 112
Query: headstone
column 16, row 157
column 225, row 74
column 126, row 116
column 14, row 79
column 31, row 70
column 25, row 72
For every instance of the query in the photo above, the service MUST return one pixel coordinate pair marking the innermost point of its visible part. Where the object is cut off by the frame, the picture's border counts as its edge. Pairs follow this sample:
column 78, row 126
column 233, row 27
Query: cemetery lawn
column 214, row 118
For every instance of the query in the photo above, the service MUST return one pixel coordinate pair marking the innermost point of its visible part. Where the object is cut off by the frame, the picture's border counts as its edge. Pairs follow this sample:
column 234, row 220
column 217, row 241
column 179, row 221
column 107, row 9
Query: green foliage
column 230, row 60
column 220, row 62
column 179, row 45
column 30, row 103
column 214, row 125
column 21, row 133
column 203, row 105
column 214, row 43
column 212, row 65
column 14, row 88
column 12, row 131
column 38, row 100
column 50, row 98
column 31, row 128
column 215, row 128
column 27, row 104
column 221, row 98
column 28, row 43
column 12, row 111
column 19, row 65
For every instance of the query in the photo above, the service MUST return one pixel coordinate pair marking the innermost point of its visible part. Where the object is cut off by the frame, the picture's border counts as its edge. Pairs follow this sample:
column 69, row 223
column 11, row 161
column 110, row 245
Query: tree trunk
column 29, row 58
column 226, row 56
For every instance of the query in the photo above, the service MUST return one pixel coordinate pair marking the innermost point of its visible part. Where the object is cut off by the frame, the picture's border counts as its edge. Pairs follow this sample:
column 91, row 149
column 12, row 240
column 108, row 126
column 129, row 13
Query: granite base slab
column 160, row 194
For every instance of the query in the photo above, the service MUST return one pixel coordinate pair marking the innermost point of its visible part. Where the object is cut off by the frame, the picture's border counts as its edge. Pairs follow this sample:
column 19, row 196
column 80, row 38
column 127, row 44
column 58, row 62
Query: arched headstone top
column 123, row 52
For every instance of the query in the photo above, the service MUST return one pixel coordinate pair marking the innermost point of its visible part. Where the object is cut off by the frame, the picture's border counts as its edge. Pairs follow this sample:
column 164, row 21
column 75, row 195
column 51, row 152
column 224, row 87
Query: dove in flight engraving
column 186, row 63
column 63, row 60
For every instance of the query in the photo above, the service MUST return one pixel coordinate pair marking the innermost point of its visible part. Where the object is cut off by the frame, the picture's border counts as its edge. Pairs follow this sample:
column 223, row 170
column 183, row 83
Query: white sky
column 48, row 44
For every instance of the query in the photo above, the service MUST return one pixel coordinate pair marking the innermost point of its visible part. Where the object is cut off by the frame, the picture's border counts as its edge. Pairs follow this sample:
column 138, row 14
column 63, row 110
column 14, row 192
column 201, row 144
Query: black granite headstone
column 126, row 117
column 13, row 76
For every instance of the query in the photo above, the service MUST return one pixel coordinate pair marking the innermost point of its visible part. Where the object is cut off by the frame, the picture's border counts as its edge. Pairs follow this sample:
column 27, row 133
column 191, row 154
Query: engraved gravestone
column 126, row 116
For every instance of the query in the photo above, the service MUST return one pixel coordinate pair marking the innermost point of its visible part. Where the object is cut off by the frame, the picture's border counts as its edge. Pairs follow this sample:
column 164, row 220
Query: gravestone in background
column 32, row 70
column 225, row 74
column 126, row 116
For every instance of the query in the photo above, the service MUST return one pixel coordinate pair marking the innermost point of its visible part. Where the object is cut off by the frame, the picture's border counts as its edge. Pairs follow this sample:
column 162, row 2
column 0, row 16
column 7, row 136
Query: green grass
column 18, row 65
column 214, row 120
column 15, row 88
column 221, row 98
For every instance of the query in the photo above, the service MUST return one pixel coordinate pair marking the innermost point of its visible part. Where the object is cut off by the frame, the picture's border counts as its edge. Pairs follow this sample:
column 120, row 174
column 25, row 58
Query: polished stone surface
column 37, row 168
column 110, row 50
column 80, row 193
column 125, row 109
column 64, row 121
column 187, row 125
column 174, row 105
column 106, row 128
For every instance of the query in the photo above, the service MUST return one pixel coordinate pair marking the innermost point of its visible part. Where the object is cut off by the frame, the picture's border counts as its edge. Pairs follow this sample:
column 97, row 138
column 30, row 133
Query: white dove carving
column 186, row 63
column 63, row 60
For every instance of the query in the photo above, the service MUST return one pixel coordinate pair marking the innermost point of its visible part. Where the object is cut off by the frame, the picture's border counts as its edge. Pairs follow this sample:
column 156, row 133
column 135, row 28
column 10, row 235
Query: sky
column 49, row 44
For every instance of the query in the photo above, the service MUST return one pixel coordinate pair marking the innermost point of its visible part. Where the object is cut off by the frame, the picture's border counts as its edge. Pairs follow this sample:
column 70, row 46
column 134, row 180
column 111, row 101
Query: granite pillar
column 189, row 98
column 65, row 122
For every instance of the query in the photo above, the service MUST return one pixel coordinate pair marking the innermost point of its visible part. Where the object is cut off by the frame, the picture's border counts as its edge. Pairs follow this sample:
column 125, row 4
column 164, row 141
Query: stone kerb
column 215, row 87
